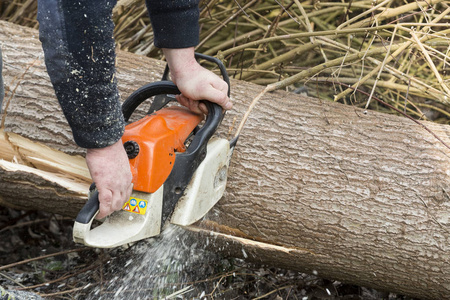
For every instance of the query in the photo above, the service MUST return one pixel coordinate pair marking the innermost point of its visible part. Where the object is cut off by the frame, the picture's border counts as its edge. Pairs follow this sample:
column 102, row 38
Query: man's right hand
column 110, row 170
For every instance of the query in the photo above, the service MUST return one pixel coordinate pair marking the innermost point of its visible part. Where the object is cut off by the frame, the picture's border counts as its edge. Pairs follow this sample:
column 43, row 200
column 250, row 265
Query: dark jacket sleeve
column 77, row 37
column 175, row 22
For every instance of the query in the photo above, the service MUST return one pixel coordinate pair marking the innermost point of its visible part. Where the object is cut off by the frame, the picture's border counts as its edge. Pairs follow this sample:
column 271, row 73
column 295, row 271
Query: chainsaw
column 179, row 168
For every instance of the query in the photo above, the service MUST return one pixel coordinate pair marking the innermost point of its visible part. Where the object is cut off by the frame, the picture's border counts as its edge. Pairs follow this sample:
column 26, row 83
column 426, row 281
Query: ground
column 38, row 255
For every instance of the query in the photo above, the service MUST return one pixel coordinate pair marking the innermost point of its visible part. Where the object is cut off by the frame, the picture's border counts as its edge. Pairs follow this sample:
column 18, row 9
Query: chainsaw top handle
column 218, row 62
column 161, row 100
column 213, row 118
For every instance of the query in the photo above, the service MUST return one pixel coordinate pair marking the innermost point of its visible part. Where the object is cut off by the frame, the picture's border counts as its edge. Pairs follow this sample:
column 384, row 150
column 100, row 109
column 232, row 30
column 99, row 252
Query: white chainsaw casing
column 207, row 184
column 123, row 227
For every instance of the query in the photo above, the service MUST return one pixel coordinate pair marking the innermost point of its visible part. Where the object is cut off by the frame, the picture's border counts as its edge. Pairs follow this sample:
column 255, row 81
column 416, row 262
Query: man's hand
column 110, row 170
column 195, row 82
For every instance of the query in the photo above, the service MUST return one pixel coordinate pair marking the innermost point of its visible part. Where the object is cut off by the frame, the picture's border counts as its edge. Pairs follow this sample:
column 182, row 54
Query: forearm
column 77, row 37
column 180, row 60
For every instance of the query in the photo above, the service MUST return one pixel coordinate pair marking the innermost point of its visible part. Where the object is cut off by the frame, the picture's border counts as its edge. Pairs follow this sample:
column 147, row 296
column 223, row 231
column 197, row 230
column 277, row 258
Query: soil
column 38, row 255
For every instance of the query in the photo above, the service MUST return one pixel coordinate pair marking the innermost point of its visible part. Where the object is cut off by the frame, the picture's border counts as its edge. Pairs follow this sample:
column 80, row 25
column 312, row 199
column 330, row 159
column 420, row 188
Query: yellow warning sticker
column 127, row 207
column 136, row 205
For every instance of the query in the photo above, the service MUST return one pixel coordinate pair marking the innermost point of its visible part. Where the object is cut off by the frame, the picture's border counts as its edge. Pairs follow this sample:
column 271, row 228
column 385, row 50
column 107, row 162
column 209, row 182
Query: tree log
column 357, row 196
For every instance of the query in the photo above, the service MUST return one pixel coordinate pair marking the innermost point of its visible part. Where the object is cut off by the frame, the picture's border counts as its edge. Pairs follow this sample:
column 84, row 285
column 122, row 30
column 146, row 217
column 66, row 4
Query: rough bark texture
column 313, row 186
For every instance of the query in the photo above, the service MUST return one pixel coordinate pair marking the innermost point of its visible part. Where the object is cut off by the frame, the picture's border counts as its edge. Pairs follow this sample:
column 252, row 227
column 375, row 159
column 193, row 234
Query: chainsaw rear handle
column 90, row 209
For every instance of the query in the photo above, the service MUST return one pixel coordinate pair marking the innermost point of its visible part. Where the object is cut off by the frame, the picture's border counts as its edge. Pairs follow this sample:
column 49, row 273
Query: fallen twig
column 43, row 257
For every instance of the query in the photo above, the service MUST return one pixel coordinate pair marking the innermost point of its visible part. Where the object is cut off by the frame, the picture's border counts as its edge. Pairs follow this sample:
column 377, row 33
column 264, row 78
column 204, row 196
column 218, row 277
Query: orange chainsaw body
column 158, row 136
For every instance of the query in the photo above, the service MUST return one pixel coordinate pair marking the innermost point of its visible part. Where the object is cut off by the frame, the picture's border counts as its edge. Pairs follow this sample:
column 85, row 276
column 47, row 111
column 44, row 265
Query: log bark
column 321, row 187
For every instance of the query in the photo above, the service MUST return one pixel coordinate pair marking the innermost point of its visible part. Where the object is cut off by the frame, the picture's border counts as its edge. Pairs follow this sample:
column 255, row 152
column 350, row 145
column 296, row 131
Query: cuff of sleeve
column 99, row 137
column 174, row 29
column 94, row 124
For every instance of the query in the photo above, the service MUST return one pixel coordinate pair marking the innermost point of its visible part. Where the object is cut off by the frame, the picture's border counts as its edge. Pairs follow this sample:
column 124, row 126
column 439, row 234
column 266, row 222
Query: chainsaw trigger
column 123, row 227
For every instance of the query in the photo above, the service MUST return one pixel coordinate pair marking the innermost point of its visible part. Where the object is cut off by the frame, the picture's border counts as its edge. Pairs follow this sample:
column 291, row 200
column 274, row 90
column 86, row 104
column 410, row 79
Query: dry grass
column 397, row 51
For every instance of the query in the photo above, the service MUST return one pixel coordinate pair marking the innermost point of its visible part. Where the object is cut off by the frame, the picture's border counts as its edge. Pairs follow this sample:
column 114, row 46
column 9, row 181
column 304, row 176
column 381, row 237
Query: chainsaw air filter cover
column 153, row 142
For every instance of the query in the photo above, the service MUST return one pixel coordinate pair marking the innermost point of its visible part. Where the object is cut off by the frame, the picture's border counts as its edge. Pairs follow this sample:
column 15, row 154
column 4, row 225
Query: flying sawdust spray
column 158, row 268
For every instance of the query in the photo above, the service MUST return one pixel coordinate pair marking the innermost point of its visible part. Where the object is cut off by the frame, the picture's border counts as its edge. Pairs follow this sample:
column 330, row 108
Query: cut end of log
column 37, row 156
column 46, row 173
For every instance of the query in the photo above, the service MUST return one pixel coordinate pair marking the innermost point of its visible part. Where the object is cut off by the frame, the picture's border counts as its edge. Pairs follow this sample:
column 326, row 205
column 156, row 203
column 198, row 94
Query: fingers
column 129, row 191
column 110, row 170
column 218, row 95
column 111, row 201
column 193, row 105
column 105, row 202
column 210, row 93
column 197, row 83
column 203, row 108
